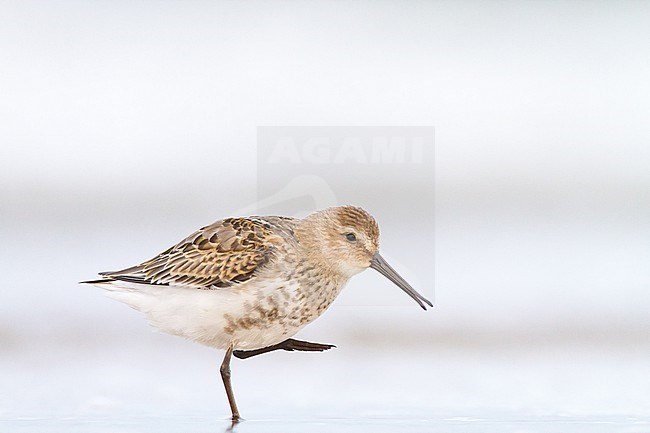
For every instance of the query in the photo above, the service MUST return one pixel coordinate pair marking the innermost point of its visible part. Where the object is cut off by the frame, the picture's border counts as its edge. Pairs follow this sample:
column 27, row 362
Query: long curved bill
column 380, row 265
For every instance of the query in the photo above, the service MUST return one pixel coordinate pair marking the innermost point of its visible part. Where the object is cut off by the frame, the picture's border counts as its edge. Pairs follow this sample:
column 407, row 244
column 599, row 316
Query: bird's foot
column 304, row 346
column 289, row 345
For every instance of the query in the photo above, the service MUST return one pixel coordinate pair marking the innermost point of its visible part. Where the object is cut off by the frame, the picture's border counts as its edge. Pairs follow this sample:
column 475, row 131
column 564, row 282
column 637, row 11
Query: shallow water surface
column 144, row 386
column 376, row 425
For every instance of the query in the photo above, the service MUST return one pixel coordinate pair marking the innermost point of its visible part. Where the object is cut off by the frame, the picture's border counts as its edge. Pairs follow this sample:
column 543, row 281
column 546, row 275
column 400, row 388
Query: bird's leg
column 225, row 376
column 290, row 345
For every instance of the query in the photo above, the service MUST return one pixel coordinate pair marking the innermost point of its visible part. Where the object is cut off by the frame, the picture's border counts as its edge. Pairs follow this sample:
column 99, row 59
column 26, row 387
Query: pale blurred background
column 124, row 126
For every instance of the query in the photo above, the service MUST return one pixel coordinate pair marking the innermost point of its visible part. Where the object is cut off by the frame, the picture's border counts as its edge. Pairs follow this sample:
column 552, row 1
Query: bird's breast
column 277, row 310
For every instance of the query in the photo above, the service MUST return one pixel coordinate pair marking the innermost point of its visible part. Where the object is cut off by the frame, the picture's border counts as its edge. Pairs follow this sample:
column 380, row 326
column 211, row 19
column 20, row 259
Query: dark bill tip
column 380, row 265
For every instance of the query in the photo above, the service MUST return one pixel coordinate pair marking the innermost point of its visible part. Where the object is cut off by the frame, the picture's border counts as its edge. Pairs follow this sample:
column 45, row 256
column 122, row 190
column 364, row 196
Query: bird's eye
column 351, row 237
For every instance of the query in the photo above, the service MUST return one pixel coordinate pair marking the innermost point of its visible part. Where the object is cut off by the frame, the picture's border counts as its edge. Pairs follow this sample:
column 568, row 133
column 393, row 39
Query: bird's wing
column 219, row 255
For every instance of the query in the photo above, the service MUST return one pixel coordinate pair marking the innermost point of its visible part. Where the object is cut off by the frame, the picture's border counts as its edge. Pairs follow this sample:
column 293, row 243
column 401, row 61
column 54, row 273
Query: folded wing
column 224, row 253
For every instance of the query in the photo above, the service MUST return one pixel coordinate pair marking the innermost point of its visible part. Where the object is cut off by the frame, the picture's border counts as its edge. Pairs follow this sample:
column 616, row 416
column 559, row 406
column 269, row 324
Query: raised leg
column 290, row 345
column 225, row 376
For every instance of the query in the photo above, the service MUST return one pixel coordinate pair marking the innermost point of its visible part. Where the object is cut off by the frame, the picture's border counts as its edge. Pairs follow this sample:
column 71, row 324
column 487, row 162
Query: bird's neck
column 316, row 248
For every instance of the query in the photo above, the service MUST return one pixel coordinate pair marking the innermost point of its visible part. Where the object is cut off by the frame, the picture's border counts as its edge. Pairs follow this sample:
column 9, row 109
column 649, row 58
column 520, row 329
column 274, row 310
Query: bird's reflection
column 233, row 424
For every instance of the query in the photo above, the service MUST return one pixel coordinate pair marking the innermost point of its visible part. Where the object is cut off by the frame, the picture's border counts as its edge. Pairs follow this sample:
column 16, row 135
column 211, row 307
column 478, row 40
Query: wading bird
column 247, row 285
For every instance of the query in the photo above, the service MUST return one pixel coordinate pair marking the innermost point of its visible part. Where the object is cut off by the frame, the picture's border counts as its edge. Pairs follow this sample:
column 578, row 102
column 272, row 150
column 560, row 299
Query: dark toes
column 307, row 346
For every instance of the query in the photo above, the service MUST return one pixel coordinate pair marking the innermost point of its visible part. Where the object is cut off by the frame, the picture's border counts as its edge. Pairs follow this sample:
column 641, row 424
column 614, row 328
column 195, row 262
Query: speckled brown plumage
column 247, row 285
column 221, row 254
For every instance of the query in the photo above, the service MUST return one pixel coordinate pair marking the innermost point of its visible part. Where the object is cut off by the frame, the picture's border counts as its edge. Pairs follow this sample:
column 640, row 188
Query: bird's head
column 346, row 238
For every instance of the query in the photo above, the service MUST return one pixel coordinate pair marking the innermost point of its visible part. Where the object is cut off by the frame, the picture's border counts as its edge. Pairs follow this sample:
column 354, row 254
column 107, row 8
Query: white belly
column 248, row 317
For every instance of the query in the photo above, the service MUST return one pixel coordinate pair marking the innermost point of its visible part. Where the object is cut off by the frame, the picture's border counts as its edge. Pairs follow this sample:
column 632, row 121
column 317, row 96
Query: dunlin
column 247, row 285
